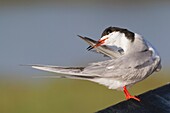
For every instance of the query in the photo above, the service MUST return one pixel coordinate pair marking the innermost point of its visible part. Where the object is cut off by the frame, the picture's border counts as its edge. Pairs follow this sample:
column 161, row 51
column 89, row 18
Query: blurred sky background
column 45, row 32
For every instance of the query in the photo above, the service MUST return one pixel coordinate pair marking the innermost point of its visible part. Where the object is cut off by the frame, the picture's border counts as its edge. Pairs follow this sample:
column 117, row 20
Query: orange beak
column 99, row 43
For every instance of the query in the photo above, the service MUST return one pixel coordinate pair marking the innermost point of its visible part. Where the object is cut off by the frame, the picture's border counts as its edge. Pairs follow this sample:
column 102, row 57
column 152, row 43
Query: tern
column 133, row 60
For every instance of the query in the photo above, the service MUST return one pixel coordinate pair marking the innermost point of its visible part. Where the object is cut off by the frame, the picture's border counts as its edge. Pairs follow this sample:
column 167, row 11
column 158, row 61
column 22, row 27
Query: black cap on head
column 130, row 35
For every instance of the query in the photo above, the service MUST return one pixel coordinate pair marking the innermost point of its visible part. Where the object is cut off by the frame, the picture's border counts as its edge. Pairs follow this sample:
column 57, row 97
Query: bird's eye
column 108, row 31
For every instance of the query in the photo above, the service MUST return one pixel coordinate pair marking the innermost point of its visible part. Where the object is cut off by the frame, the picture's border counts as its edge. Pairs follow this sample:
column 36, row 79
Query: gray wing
column 69, row 72
column 107, row 51
column 59, row 69
column 121, row 68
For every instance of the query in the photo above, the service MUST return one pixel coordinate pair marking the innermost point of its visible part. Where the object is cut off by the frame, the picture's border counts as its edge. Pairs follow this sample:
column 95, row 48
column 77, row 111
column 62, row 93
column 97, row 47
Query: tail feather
column 105, row 50
column 71, row 72
column 59, row 69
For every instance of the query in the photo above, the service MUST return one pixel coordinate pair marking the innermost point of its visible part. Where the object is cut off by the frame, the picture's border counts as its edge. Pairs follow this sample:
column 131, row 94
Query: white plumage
column 134, row 61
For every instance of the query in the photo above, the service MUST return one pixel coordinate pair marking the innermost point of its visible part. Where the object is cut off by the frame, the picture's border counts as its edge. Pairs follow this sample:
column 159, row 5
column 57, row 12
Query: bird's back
column 127, row 69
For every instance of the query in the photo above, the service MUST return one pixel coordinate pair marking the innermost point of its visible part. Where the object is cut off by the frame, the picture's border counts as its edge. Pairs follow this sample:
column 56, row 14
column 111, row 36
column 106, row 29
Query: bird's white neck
column 129, row 46
column 123, row 43
column 118, row 39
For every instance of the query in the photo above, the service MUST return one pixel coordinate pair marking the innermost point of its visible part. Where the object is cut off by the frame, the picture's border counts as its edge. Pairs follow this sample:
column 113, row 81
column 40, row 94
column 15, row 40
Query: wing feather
column 124, row 67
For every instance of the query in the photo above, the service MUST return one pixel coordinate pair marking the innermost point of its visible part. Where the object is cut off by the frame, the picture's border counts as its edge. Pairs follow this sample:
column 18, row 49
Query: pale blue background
column 45, row 33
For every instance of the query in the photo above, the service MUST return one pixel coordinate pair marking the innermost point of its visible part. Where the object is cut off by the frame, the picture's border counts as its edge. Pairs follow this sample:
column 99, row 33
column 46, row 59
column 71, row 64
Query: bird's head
column 114, row 36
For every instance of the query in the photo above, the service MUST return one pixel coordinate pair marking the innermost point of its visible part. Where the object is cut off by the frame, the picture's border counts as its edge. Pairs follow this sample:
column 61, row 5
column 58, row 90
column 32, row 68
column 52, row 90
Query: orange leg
column 128, row 96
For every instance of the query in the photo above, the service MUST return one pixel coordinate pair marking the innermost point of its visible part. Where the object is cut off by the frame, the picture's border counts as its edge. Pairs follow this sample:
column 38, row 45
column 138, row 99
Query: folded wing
column 125, row 67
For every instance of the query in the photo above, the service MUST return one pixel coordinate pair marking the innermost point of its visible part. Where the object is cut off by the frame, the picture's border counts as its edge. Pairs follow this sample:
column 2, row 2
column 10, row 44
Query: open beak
column 99, row 43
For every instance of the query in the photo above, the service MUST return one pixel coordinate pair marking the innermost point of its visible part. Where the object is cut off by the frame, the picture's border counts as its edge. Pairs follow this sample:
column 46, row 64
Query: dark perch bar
column 153, row 101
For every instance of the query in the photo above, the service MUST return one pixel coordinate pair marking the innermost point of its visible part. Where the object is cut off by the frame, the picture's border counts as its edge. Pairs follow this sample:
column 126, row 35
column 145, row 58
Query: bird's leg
column 128, row 95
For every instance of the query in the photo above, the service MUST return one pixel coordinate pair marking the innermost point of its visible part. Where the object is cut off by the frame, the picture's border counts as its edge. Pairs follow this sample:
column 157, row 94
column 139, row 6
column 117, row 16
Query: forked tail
column 70, row 72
